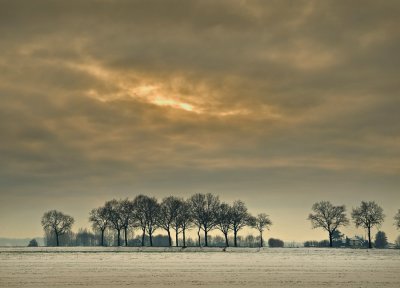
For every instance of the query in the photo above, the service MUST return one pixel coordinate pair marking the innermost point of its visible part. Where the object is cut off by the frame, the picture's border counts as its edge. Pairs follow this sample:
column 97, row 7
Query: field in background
column 156, row 267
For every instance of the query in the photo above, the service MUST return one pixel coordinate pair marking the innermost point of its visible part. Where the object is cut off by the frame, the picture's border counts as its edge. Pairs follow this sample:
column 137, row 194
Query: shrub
column 275, row 242
column 33, row 243
column 381, row 240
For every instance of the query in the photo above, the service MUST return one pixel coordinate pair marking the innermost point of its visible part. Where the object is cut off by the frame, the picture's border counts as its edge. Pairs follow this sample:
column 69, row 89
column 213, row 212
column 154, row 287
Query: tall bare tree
column 197, row 204
column 240, row 218
column 126, row 212
column 260, row 222
column 140, row 214
column 168, row 214
column 57, row 222
column 328, row 217
column 181, row 218
column 152, row 216
column 147, row 215
column 100, row 221
column 183, row 221
column 204, row 211
column 224, row 220
column 397, row 219
column 368, row 215
column 113, row 210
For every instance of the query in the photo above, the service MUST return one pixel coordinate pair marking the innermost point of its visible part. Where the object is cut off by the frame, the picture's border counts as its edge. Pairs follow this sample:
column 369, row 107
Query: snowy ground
column 160, row 267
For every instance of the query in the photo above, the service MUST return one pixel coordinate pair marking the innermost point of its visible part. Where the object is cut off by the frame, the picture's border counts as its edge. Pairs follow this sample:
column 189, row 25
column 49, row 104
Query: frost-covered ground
column 160, row 267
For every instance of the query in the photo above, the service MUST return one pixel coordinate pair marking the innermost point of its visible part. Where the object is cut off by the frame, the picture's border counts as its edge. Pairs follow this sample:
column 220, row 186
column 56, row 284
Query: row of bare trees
column 330, row 217
column 204, row 212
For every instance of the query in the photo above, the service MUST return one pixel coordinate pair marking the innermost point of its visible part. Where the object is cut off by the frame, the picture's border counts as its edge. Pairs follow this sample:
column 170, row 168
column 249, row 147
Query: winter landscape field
column 212, row 267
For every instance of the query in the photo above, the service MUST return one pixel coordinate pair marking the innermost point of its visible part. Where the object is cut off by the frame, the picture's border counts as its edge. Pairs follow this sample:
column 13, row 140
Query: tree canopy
column 368, row 215
column 328, row 217
column 57, row 222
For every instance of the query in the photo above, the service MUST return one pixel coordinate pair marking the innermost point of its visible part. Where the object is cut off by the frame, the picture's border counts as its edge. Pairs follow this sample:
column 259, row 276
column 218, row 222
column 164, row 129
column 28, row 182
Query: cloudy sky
column 278, row 103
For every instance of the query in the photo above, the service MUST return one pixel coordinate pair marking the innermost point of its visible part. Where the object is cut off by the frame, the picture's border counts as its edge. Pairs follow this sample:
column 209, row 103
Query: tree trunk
column 57, row 241
column 235, row 238
column 369, row 238
column 119, row 237
column 176, row 237
column 102, row 237
column 169, row 238
column 330, row 240
column 198, row 234
column 151, row 239
column 205, row 238
column 184, row 237
column 143, row 235
column 226, row 240
column 261, row 239
column 126, row 235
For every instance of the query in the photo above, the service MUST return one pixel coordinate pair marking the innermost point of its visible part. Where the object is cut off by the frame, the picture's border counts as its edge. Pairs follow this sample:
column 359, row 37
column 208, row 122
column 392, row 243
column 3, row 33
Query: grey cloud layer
column 304, row 90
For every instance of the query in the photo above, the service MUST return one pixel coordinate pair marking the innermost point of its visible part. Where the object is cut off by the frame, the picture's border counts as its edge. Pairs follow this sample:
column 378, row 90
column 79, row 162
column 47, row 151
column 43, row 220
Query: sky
column 278, row 103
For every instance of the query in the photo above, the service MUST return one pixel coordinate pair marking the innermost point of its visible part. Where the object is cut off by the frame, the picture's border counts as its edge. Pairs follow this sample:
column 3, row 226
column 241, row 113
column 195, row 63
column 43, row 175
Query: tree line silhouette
column 204, row 213
column 329, row 217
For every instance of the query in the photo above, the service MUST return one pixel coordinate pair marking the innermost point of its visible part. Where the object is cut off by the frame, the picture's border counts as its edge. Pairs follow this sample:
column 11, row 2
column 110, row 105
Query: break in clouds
column 278, row 103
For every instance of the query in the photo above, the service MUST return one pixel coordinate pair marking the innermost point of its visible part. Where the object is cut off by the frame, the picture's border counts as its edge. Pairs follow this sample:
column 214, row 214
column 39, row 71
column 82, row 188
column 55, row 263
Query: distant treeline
column 20, row 241
column 115, row 221
column 203, row 212
column 84, row 237
column 342, row 241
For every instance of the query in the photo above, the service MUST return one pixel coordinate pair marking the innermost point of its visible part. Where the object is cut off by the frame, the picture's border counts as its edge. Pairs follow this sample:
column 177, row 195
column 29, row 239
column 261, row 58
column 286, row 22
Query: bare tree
column 260, row 222
column 139, row 204
column 224, row 220
column 397, row 219
column 204, row 209
column 368, row 215
column 168, row 214
column 328, row 217
column 57, row 222
column 197, row 204
column 183, row 221
column 147, row 215
column 240, row 218
column 152, row 216
column 126, row 212
column 100, row 221
column 180, row 217
column 113, row 209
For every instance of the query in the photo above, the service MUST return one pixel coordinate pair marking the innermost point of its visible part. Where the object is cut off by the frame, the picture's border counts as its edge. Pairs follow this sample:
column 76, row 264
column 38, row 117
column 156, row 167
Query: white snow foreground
column 164, row 267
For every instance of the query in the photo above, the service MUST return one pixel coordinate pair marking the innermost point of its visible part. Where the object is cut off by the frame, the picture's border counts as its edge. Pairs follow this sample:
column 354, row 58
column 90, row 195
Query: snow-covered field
column 160, row 267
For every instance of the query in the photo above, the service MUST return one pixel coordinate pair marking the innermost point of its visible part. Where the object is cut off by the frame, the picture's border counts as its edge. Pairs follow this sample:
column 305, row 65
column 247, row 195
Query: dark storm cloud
column 113, row 98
